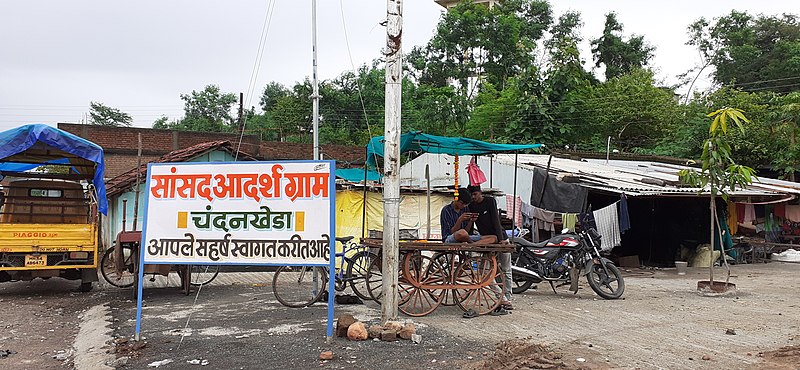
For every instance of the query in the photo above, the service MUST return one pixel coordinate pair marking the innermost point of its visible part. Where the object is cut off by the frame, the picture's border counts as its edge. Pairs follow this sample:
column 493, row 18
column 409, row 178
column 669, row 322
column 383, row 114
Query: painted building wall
column 112, row 224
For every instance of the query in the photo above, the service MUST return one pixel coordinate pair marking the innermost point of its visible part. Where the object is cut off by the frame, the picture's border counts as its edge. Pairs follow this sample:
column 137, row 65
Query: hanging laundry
column 476, row 176
column 544, row 219
column 624, row 217
column 780, row 210
column 607, row 220
column 733, row 217
column 569, row 220
column 511, row 207
column 527, row 210
column 760, row 212
column 740, row 212
column 749, row 213
column 793, row 212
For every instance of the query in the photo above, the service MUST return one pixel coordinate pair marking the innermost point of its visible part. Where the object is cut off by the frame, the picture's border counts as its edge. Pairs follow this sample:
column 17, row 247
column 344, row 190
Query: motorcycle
column 563, row 259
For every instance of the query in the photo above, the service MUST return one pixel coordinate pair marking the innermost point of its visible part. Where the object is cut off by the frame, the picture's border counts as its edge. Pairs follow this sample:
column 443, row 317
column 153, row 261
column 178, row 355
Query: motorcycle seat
column 525, row 243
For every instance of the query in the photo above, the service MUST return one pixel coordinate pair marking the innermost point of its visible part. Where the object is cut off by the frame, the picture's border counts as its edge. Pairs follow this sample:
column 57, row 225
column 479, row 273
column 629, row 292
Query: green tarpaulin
column 357, row 174
column 424, row 143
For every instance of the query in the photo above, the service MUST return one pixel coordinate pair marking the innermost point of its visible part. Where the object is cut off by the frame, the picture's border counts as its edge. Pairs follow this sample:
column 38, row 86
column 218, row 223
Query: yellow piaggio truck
column 51, row 195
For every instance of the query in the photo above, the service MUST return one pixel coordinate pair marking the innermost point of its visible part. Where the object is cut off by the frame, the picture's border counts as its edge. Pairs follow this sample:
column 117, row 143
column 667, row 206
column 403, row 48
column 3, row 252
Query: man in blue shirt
column 456, row 220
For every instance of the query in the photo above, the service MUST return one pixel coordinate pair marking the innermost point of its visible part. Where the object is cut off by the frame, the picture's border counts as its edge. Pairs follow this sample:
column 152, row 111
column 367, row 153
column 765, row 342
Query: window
column 46, row 193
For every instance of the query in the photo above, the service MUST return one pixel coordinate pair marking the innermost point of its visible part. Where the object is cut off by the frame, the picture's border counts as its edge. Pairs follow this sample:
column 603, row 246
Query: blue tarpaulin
column 16, row 141
column 417, row 141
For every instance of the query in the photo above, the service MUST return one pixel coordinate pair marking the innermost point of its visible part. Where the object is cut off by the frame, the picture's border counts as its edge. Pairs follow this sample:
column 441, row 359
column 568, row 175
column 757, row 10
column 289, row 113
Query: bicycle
column 126, row 276
column 301, row 286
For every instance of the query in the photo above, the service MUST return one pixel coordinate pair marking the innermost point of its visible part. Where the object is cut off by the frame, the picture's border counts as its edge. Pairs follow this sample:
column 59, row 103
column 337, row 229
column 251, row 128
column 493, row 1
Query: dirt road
column 661, row 324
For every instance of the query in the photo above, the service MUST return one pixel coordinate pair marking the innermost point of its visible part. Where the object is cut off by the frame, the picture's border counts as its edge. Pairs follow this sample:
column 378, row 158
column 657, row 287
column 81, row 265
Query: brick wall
column 345, row 155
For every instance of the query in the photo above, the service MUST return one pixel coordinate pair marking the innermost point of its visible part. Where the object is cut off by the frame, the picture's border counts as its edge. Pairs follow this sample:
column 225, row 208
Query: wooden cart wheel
column 415, row 300
column 481, row 284
column 448, row 263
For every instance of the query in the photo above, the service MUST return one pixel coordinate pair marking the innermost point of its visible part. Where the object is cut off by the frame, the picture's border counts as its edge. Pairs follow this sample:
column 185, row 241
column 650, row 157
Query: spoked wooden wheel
column 481, row 284
column 441, row 273
column 414, row 299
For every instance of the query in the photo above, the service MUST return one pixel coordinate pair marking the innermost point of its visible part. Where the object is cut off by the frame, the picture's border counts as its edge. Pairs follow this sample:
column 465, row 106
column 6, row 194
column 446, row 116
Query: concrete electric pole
column 391, row 159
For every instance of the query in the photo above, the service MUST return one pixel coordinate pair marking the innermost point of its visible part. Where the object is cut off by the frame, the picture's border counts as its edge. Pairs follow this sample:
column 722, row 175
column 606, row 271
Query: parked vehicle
column 52, row 193
column 562, row 260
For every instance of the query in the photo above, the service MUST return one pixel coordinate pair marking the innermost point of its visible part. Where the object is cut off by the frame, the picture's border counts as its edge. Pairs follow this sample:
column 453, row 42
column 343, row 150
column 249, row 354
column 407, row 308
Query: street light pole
column 391, row 159
column 315, row 84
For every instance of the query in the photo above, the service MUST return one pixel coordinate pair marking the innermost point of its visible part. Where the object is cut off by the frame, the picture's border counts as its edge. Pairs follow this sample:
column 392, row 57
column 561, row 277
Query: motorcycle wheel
column 604, row 284
column 519, row 284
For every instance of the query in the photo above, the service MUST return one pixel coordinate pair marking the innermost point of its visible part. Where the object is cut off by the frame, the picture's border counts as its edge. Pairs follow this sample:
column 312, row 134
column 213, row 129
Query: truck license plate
column 35, row 260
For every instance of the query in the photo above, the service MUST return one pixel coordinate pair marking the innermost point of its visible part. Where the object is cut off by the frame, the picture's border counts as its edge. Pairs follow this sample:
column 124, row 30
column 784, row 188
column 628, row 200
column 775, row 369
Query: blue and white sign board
column 240, row 213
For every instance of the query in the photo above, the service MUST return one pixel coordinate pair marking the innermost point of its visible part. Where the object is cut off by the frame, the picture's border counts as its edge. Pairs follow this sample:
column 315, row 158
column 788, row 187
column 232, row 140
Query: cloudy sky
column 57, row 56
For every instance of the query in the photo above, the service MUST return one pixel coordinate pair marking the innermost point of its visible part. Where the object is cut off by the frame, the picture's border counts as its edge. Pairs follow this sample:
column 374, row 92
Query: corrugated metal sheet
column 633, row 178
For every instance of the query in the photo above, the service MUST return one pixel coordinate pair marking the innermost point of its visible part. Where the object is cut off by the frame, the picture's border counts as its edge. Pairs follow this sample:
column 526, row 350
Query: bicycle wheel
column 119, row 278
column 374, row 279
column 299, row 286
column 202, row 275
column 357, row 269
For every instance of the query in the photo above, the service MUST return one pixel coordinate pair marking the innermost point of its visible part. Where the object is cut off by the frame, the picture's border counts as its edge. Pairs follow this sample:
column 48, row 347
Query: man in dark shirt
column 488, row 223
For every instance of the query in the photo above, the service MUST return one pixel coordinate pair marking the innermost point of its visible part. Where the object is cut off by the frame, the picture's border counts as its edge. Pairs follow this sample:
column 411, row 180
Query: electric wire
column 270, row 10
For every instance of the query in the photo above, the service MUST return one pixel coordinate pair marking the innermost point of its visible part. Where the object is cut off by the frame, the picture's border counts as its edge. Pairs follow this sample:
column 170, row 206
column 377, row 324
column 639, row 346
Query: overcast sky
column 56, row 56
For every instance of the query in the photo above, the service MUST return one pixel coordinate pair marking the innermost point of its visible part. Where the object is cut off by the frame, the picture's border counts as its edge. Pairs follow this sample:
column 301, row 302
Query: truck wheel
column 85, row 287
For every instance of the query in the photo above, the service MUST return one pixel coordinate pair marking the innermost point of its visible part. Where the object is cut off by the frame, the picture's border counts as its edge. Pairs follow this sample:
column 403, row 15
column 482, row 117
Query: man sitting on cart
column 488, row 223
column 457, row 222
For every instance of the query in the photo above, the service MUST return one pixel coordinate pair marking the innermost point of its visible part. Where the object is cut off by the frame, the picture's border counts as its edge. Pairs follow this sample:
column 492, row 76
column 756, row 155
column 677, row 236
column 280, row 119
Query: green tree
column 719, row 172
column 629, row 108
column 208, row 110
column 753, row 53
column 272, row 92
column 103, row 115
column 617, row 55
column 473, row 41
column 784, row 118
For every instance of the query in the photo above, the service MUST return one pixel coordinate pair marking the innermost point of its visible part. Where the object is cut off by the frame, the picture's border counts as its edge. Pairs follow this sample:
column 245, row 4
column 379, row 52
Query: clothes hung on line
column 624, row 217
column 543, row 219
column 733, row 218
column 511, row 207
column 793, row 212
column 569, row 220
column 749, row 213
column 607, row 220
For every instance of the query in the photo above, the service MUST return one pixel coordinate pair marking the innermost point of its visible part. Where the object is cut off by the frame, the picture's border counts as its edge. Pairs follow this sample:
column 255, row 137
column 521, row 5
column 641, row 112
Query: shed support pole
column 514, row 199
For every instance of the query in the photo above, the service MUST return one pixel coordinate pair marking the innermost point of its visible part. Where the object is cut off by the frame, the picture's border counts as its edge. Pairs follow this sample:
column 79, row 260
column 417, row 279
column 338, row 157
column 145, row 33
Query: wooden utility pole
column 240, row 120
column 391, row 159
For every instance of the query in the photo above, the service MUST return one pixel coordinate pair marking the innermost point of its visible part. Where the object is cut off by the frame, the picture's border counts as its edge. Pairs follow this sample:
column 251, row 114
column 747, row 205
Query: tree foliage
column 617, row 55
column 205, row 110
column 513, row 73
column 753, row 53
column 103, row 115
